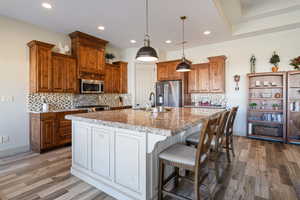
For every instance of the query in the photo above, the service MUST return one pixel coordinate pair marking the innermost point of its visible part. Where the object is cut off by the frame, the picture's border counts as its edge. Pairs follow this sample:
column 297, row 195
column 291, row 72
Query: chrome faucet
column 152, row 99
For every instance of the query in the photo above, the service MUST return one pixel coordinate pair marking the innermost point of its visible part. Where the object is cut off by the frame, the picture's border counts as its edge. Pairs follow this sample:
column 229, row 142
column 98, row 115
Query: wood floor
column 260, row 171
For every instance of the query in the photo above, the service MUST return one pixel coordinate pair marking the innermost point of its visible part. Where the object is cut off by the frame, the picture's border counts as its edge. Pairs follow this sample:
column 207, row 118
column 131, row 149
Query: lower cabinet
column 112, row 156
column 102, row 141
column 50, row 130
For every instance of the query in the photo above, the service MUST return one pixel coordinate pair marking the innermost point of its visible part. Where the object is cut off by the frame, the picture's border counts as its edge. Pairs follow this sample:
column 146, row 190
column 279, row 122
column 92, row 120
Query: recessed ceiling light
column 168, row 41
column 132, row 41
column 46, row 5
column 207, row 32
column 101, row 28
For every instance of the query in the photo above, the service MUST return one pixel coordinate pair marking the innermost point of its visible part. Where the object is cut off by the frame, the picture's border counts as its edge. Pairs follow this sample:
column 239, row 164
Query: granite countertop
column 166, row 123
column 199, row 106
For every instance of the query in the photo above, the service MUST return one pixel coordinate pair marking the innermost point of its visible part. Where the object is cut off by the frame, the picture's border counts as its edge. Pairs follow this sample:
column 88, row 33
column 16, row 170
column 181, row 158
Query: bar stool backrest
column 220, row 136
column 206, row 135
column 230, row 122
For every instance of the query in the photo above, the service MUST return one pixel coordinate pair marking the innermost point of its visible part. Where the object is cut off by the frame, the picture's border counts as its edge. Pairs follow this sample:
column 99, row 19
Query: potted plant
column 109, row 57
column 274, row 60
column 253, row 105
column 275, row 106
column 296, row 63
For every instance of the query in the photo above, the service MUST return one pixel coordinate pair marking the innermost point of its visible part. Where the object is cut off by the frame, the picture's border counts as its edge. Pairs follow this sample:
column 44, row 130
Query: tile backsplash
column 61, row 101
column 216, row 99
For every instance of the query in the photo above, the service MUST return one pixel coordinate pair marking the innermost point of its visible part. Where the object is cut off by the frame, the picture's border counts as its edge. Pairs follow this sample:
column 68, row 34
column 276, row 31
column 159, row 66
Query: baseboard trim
column 14, row 151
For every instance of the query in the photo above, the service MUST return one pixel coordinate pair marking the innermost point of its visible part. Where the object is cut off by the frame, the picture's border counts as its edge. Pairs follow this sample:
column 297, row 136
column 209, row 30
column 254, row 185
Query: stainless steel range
column 95, row 108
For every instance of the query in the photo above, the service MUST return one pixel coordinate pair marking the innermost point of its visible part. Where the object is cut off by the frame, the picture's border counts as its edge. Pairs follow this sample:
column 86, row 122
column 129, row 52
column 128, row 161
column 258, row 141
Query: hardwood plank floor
column 260, row 171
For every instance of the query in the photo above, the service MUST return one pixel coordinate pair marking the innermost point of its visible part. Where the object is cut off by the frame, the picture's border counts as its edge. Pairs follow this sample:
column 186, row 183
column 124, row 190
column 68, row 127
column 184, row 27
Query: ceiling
column 125, row 20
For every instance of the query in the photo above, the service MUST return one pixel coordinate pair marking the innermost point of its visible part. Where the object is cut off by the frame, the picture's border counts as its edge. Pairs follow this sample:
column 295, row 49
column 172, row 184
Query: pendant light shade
column 184, row 65
column 147, row 53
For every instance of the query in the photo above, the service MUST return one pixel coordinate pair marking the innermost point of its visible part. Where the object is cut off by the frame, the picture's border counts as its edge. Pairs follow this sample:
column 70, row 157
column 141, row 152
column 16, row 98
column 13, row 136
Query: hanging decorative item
column 252, row 64
column 184, row 65
column 274, row 60
column 237, row 80
column 147, row 53
column 296, row 63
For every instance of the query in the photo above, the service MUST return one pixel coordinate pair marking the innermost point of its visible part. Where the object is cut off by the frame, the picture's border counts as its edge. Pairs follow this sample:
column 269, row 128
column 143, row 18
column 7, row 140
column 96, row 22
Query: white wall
column 14, row 79
column 238, row 54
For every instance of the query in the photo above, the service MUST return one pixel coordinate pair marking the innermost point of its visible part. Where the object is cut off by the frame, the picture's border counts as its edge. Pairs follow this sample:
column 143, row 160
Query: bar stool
column 229, row 132
column 188, row 158
column 218, row 142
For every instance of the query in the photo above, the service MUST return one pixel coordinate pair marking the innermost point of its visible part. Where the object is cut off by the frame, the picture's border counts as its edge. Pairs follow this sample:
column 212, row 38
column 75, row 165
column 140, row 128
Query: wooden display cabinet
column 293, row 107
column 266, row 116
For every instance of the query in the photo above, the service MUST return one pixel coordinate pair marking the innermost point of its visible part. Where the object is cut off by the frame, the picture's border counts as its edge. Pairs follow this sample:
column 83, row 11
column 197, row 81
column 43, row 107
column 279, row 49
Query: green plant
column 109, row 56
column 252, row 105
column 296, row 63
column 275, row 105
column 275, row 59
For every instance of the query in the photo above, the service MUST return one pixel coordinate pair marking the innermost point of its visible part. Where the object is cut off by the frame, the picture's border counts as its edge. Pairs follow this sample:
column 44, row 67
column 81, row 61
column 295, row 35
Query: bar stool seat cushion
column 181, row 154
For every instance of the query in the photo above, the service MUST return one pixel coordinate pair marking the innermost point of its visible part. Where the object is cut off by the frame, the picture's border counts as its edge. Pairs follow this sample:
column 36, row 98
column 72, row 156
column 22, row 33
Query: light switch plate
column 5, row 139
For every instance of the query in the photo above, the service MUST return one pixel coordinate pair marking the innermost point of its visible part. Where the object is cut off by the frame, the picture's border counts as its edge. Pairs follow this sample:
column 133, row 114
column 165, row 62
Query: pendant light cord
column 183, row 55
column 147, row 37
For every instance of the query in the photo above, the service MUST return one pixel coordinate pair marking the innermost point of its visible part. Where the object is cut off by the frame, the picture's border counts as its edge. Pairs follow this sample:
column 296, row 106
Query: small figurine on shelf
column 274, row 60
column 252, row 64
column 296, row 63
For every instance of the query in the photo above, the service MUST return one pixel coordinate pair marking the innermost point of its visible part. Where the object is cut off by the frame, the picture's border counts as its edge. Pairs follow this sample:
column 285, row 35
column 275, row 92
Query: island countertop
column 165, row 123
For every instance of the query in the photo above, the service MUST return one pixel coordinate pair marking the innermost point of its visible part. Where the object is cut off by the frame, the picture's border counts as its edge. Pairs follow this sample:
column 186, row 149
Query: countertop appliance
column 91, row 86
column 95, row 108
column 170, row 92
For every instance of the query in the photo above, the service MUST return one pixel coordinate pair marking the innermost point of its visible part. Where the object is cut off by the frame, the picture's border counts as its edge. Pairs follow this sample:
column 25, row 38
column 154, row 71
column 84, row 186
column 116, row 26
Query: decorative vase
column 275, row 69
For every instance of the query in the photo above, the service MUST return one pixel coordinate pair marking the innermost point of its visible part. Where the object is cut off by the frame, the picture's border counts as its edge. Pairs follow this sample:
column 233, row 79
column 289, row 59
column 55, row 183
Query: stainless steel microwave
column 92, row 86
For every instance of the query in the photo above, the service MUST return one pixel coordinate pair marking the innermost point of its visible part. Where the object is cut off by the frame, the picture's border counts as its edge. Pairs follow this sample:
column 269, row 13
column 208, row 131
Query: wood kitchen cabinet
column 50, row 130
column 123, row 76
column 89, row 51
column 199, row 78
column 49, row 71
column 40, row 66
column 167, row 71
column 112, row 78
column 217, row 74
column 64, row 73
column 208, row 77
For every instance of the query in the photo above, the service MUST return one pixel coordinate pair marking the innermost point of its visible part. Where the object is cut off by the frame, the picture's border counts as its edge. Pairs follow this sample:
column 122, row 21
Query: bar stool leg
column 176, row 176
column 232, row 148
column 228, row 150
column 161, row 179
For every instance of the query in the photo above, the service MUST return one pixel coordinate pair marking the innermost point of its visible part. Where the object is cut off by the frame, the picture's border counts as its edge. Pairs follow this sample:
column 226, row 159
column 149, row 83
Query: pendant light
column 184, row 65
column 147, row 53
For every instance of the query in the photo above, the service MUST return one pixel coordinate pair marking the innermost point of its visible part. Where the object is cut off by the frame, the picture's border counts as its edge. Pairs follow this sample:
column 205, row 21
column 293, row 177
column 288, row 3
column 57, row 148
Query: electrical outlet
column 5, row 139
column 8, row 99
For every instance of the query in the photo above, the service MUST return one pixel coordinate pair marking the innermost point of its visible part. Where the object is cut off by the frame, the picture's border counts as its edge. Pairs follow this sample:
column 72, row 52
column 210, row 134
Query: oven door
column 91, row 86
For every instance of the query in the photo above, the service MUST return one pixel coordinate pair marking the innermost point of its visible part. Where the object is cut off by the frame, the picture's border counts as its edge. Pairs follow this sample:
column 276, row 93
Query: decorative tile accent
column 56, row 101
column 216, row 99
column 61, row 101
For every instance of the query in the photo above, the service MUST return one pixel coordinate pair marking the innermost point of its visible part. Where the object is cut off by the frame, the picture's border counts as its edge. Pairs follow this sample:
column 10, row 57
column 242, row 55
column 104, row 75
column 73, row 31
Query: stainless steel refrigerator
column 170, row 92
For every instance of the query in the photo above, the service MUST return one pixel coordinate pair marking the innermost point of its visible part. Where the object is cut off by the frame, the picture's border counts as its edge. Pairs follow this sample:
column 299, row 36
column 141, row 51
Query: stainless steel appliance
column 169, row 93
column 95, row 108
column 92, row 86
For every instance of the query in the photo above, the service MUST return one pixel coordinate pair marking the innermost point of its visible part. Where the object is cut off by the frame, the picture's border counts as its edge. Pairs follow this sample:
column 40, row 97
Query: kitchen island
column 116, row 151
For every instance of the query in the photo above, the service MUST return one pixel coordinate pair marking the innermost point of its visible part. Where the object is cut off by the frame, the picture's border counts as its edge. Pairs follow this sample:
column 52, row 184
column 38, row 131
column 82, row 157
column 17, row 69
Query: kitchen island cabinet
column 117, row 151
